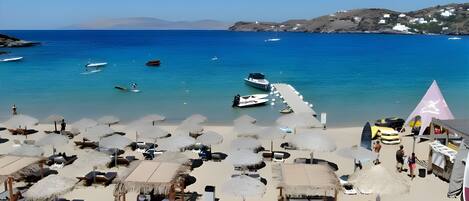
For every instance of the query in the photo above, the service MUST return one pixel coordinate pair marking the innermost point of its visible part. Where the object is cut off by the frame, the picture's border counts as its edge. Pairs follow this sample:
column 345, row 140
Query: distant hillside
column 148, row 23
column 452, row 19
column 8, row 41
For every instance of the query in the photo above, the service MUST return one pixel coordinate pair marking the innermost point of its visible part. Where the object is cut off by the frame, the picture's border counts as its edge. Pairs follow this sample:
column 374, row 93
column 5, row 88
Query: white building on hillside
column 400, row 27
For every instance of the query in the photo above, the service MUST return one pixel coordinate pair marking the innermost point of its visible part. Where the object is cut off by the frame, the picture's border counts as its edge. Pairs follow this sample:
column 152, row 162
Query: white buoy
column 306, row 102
column 311, row 105
column 271, row 93
column 284, row 101
column 272, row 103
column 275, row 92
column 297, row 93
column 281, row 97
column 277, row 95
column 301, row 96
column 273, row 99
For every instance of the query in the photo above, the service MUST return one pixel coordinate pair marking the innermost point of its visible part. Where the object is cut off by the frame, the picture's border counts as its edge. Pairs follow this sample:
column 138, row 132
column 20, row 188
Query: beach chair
column 106, row 179
column 86, row 144
column 278, row 157
column 209, row 193
column 16, row 143
column 122, row 161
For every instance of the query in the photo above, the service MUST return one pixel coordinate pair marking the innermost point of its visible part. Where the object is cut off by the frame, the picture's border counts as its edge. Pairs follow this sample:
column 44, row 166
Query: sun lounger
column 16, row 143
column 98, row 177
column 121, row 161
column 20, row 131
column 29, row 142
column 278, row 157
column 86, row 144
column 60, row 160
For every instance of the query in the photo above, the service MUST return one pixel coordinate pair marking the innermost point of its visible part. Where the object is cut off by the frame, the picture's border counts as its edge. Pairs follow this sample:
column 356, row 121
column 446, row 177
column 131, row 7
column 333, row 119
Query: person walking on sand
column 63, row 125
column 377, row 149
column 400, row 158
column 13, row 110
column 412, row 165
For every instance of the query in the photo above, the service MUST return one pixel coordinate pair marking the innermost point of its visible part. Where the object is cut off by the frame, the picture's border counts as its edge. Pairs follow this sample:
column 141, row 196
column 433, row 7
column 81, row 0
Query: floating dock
column 294, row 100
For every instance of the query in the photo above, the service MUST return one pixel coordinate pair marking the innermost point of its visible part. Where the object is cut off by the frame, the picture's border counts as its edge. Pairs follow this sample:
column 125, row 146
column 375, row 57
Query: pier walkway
column 294, row 101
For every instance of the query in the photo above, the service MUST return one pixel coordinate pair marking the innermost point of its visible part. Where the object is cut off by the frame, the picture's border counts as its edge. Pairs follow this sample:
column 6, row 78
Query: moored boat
column 95, row 65
column 249, row 100
column 12, row 59
column 153, row 63
column 257, row 80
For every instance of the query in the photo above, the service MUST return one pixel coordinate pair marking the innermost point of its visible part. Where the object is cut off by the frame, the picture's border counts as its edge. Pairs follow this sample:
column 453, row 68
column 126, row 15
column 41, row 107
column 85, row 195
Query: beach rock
column 8, row 41
column 451, row 19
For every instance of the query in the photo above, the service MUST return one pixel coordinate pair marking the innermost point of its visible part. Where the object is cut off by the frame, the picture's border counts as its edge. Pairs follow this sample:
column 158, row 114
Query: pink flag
column 432, row 105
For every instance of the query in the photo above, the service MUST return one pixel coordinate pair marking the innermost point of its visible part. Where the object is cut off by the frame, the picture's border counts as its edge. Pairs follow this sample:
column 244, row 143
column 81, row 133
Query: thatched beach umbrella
column 115, row 142
column 52, row 140
column 195, row 118
column 244, row 119
column 210, row 138
column 189, row 128
column 244, row 186
column 96, row 132
column 153, row 118
column 27, row 150
column 358, row 153
column 108, row 120
column 244, row 158
column 246, row 129
column 21, row 121
column 92, row 159
column 83, row 124
column 50, row 187
column 271, row 133
column 314, row 142
column 245, row 143
column 55, row 118
column 378, row 180
column 176, row 143
column 297, row 120
column 151, row 132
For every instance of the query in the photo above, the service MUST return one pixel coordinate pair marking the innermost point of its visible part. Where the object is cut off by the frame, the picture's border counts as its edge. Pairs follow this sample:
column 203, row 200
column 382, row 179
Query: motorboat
column 153, row 63
column 250, row 100
column 286, row 110
column 257, row 80
column 95, row 65
column 12, row 59
column 125, row 89
column 454, row 38
column 272, row 40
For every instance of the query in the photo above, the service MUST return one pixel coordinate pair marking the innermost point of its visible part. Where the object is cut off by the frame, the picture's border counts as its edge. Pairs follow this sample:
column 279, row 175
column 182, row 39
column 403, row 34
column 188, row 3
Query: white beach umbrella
column 55, row 118
column 151, row 132
column 27, row 150
column 195, row 118
column 108, row 120
column 21, row 121
column 245, row 143
column 91, row 159
column 114, row 142
column 50, row 187
column 210, row 138
column 96, row 132
column 314, row 142
column 297, row 120
column 243, row 158
column 153, row 118
column 377, row 180
column 83, row 124
column 176, row 143
column 244, row 186
column 357, row 152
column 244, row 119
column 53, row 140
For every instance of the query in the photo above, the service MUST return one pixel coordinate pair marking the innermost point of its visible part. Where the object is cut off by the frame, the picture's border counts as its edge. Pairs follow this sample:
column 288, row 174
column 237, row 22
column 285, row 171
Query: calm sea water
column 352, row 77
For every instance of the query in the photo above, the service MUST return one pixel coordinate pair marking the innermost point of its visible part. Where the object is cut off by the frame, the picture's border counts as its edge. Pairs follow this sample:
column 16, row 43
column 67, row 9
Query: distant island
column 8, row 41
column 451, row 19
column 149, row 23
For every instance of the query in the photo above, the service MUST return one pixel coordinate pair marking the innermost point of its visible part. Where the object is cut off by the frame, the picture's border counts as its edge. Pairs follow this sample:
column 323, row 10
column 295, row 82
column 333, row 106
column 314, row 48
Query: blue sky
column 53, row 14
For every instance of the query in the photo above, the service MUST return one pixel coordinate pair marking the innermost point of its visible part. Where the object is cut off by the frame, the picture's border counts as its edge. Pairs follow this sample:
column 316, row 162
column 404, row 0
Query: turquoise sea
column 354, row 78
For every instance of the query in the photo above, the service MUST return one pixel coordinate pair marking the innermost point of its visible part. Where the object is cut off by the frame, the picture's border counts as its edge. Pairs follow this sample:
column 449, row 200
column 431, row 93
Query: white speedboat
column 12, row 59
column 454, row 38
column 272, row 40
column 95, row 65
column 257, row 80
column 250, row 100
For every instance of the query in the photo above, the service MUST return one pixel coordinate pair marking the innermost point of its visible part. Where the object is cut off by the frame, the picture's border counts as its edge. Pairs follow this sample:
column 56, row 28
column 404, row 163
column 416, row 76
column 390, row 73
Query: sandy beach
column 216, row 173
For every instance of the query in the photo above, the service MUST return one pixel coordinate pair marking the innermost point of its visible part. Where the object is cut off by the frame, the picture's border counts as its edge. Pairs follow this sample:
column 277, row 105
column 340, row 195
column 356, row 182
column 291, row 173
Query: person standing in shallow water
column 14, row 110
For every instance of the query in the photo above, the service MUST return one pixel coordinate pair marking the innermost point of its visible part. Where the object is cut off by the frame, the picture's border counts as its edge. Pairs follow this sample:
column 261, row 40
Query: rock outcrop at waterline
column 8, row 41
column 451, row 19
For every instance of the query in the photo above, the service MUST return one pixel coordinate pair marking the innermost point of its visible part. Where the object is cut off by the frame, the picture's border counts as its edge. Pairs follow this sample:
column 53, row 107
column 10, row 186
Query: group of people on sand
column 411, row 161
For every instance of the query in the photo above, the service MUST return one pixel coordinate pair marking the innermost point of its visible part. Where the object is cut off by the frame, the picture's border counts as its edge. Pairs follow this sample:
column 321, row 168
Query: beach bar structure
column 306, row 181
column 295, row 102
column 162, row 178
column 12, row 167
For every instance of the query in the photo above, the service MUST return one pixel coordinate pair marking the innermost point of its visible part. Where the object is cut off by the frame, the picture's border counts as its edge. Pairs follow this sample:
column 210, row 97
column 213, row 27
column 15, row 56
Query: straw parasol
column 243, row 158
column 108, row 120
column 176, row 143
column 151, row 132
column 188, row 128
column 244, row 119
column 195, row 118
column 245, row 143
column 210, row 138
column 298, row 120
column 92, row 159
column 314, row 142
column 55, row 118
column 21, row 121
column 358, row 153
column 27, row 150
column 270, row 133
column 115, row 142
column 96, row 132
column 244, row 186
column 50, row 187
column 246, row 129
column 378, row 180
column 52, row 140
column 153, row 118
column 83, row 124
